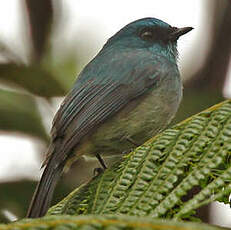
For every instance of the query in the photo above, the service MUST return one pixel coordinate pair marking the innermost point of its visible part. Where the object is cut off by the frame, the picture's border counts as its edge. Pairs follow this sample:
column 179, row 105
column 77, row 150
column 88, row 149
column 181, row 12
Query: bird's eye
column 173, row 28
column 146, row 35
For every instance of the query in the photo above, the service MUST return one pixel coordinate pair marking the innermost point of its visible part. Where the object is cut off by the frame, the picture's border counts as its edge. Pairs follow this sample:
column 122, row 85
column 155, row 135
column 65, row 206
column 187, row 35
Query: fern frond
column 154, row 179
column 94, row 222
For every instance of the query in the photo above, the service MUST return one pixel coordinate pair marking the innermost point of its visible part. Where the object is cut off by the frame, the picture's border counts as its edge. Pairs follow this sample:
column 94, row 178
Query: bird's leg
column 100, row 159
column 97, row 171
column 129, row 139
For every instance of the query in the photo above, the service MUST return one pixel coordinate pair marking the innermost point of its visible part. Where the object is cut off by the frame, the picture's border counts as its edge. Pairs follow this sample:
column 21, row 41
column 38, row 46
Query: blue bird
column 128, row 93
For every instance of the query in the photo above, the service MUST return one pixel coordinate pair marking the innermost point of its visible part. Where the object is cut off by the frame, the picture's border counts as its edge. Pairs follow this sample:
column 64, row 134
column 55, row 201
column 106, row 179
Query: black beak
column 177, row 32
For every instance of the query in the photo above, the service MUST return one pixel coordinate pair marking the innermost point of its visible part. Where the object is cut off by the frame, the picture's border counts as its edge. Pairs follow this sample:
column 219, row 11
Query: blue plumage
column 126, row 94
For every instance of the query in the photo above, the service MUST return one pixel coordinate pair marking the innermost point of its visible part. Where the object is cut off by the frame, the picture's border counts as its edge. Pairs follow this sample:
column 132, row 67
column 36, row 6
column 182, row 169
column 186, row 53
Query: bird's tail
column 44, row 191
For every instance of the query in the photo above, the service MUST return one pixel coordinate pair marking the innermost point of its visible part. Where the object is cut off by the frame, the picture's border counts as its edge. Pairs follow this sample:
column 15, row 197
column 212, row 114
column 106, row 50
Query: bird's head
column 148, row 33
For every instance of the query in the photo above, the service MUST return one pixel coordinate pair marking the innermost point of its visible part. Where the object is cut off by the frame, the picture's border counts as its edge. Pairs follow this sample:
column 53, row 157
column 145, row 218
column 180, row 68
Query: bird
column 125, row 95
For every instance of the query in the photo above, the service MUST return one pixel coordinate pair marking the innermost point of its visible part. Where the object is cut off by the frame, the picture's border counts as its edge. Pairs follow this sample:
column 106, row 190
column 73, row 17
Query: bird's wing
column 92, row 102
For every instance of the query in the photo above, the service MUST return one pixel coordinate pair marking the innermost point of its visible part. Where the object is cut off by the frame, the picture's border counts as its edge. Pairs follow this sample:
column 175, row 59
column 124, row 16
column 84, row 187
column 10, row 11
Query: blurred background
column 45, row 44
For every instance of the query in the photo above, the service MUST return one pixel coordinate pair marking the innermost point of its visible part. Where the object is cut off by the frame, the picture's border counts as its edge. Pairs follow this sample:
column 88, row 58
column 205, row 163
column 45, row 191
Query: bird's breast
column 138, row 121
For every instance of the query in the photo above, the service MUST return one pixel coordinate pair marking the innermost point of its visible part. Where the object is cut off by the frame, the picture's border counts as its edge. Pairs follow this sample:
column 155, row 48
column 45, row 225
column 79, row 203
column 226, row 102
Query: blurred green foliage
column 19, row 112
column 33, row 79
column 22, row 84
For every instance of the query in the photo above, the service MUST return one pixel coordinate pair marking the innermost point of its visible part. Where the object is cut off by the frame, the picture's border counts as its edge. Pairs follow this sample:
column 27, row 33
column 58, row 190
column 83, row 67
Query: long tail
column 44, row 191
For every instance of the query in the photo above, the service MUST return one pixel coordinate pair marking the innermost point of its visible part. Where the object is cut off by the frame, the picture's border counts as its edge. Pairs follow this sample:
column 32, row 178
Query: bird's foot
column 97, row 171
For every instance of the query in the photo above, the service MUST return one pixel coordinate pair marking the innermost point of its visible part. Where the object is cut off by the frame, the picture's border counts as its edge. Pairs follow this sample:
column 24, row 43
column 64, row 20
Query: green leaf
column 64, row 69
column 154, row 179
column 18, row 112
column 33, row 79
column 104, row 222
